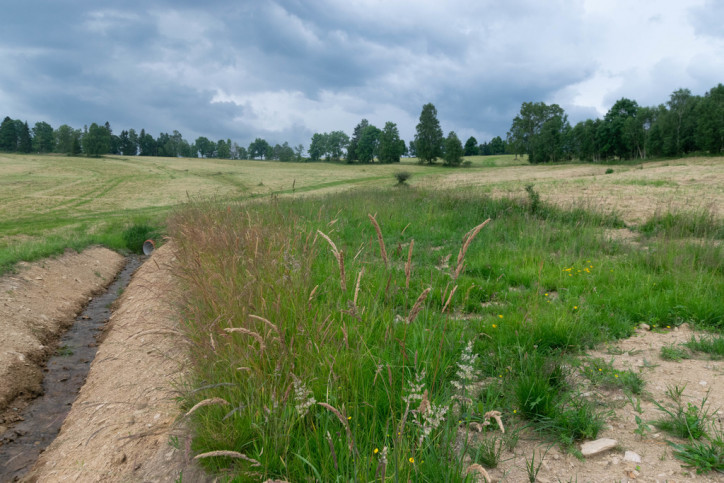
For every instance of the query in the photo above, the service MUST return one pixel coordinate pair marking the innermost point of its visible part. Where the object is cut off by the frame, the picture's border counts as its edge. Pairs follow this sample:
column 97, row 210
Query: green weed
column 712, row 345
column 673, row 353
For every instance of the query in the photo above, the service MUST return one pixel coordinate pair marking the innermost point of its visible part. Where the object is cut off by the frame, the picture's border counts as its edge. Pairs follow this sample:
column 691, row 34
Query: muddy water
column 65, row 374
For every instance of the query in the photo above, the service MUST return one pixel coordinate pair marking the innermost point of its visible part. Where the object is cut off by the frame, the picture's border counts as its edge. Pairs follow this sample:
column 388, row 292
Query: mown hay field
column 48, row 203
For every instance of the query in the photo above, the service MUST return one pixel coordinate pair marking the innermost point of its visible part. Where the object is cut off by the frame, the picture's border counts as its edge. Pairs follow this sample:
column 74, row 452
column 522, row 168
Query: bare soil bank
column 123, row 420
column 37, row 304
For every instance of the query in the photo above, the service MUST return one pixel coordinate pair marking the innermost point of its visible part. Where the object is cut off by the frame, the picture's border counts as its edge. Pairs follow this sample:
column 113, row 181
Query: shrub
column 136, row 234
column 402, row 177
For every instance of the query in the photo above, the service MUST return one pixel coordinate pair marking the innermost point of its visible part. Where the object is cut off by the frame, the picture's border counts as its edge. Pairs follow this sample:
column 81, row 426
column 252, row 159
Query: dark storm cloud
column 286, row 69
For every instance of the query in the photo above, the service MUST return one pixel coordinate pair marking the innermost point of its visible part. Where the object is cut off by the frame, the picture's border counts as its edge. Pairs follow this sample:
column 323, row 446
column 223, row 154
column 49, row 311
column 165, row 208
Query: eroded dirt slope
column 120, row 426
column 37, row 304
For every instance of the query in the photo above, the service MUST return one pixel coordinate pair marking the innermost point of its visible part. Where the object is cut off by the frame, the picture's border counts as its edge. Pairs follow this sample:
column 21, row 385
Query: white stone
column 632, row 457
column 591, row 448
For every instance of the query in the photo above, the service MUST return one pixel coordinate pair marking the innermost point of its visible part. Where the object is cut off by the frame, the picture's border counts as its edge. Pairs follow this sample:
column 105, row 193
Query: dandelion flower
column 412, row 460
column 616, row 376
column 376, row 450
column 500, row 316
column 495, row 326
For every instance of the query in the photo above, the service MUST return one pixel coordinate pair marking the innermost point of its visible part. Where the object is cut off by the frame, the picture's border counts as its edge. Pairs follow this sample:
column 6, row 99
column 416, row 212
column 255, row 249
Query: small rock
column 119, row 459
column 702, row 383
column 644, row 327
column 632, row 457
column 631, row 474
column 615, row 461
column 591, row 448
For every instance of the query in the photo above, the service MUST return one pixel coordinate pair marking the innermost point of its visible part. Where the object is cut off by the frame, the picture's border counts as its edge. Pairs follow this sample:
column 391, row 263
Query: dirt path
column 37, row 304
column 121, row 426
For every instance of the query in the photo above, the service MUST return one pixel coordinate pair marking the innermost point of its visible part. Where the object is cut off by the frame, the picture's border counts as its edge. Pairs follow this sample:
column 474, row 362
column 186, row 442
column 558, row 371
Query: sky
column 285, row 69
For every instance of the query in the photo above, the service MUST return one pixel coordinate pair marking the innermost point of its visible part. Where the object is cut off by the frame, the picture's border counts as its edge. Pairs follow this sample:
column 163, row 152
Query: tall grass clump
column 701, row 223
column 359, row 336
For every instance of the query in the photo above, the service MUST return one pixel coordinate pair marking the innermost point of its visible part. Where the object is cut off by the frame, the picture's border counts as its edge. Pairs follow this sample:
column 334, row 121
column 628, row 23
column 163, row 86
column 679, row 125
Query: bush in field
column 136, row 234
column 402, row 177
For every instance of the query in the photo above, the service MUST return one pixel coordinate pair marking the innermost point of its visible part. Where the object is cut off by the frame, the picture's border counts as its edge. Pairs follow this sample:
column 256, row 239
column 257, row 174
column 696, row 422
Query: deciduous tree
column 391, row 146
column 43, row 140
column 97, row 141
column 453, row 154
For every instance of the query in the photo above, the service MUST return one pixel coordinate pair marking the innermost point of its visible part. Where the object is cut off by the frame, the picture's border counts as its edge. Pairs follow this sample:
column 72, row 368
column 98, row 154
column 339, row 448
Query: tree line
column 368, row 143
column 686, row 124
column 97, row 140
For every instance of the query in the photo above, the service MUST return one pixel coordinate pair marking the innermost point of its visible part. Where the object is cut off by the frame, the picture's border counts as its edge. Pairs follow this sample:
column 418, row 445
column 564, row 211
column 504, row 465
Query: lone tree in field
column 453, row 155
column 429, row 138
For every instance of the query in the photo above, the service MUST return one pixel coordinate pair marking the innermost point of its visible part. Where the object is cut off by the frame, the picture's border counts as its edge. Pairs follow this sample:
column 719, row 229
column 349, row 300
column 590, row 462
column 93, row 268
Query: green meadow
column 344, row 327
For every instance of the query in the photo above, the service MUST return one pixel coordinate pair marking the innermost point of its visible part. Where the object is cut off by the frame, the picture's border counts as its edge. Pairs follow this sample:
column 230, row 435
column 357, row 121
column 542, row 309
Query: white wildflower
column 466, row 371
column 432, row 417
column 416, row 388
column 303, row 397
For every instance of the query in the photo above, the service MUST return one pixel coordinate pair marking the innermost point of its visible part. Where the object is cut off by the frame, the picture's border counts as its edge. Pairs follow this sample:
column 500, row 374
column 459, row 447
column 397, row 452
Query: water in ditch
column 65, row 374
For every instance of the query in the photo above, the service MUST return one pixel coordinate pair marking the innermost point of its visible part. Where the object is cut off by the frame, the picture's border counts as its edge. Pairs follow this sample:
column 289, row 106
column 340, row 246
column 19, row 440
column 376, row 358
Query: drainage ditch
column 65, row 374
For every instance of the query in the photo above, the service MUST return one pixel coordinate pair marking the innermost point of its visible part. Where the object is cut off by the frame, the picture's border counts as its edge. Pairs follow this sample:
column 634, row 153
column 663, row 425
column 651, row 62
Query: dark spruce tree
column 8, row 136
column 428, row 137
column 471, row 147
column 25, row 142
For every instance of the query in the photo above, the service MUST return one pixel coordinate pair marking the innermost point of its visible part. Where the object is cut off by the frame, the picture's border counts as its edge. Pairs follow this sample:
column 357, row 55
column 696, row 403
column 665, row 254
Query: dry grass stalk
column 467, row 240
column 444, row 308
column 230, row 454
column 498, row 419
column 156, row 331
column 207, row 402
column 476, row 468
column 311, row 294
column 408, row 265
column 381, row 241
column 331, row 450
column 418, row 306
column 251, row 333
column 356, row 289
column 339, row 255
column 266, row 321
column 342, row 420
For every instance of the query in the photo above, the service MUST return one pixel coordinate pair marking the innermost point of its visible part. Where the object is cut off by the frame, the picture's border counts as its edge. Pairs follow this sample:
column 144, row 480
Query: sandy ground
column 37, row 304
column 123, row 424
column 701, row 377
